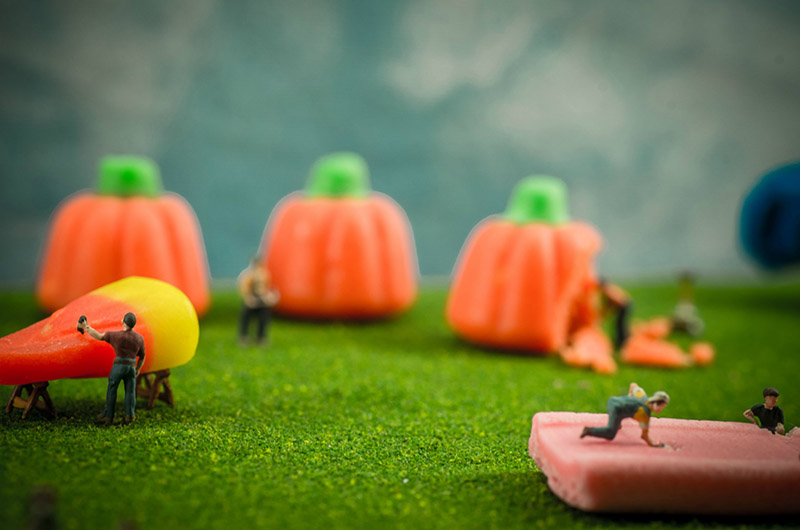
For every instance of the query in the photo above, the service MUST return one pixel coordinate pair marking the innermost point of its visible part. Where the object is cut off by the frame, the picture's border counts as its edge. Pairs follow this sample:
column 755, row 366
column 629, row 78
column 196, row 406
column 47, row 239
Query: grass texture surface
column 392, row 424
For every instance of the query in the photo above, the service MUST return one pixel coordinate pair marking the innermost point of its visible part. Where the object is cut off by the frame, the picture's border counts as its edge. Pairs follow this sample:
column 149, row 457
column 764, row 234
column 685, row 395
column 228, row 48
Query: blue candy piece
column 770, row 221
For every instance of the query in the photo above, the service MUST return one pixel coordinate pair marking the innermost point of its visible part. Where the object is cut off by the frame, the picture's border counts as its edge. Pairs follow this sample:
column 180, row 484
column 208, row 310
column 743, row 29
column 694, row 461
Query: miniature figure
column 769, row 413
column 635, row 405
column 685, row 316
column 614, row 299
column 128, row 345
column 258, row 298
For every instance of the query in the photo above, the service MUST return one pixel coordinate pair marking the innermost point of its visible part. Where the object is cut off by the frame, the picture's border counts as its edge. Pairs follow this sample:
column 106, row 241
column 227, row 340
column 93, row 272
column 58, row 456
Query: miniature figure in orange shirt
column 258, row 298
column 635, row 405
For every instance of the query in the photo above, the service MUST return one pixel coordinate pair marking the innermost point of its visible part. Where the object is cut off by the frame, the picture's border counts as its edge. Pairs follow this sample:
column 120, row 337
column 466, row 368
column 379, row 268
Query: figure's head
column 658, row 401
column 128, row 321
column 770, row 396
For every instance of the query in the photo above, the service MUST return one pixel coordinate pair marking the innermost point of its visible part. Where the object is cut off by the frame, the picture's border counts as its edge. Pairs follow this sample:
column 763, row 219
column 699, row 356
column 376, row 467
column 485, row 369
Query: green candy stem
column 339, row 175
column 538, row 198
column 126, row 176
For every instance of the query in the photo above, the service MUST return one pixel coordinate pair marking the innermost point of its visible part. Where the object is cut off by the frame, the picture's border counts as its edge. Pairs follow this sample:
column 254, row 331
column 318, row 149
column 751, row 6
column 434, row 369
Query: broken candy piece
column 656, row 328
column 647, row 351
column 702, row 353
column 589, row 347
column 710, row 467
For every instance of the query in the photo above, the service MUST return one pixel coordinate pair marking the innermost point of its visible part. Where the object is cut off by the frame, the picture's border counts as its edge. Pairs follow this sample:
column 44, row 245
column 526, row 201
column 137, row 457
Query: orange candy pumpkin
column 522, row 277
column 126, row 227
column 337, row 250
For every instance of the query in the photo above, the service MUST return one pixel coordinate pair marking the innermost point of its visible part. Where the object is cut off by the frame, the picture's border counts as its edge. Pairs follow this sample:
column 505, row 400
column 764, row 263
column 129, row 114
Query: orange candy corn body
column 340, row 253
column 97, row 238
column 54, row 349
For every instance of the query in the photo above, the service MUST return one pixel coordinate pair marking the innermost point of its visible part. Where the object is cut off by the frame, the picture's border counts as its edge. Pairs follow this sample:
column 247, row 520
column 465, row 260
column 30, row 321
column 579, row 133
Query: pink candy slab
column 712, row 467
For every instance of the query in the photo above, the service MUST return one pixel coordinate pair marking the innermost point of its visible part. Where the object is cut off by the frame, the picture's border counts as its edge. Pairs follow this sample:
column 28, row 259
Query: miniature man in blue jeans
column 128, row 345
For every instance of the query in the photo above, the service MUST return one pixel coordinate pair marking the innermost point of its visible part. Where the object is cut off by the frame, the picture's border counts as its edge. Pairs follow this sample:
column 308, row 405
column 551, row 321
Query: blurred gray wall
column 659, row 115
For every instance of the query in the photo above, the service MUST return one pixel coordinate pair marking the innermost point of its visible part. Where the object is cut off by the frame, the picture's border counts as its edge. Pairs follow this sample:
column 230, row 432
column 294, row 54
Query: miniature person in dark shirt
column 635, row 405
column 770, row 414
column 128, row 345
column 257, row 300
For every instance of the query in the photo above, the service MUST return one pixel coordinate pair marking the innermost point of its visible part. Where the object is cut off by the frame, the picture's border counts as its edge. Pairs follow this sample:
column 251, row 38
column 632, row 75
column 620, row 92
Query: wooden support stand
column 37, row 397
column 147, row 386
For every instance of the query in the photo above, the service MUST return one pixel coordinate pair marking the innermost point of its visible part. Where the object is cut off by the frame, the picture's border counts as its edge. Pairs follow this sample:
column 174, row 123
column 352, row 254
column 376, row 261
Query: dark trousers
column 127, row 374
column 614, row 423
column 263, row 314
column 621, row 325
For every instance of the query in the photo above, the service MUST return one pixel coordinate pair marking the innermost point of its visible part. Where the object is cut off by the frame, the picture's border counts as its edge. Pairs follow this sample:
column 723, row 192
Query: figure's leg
column 130, row 392
column 111, row 394
column 610, row 430
column 244, row 322
column 264, row 316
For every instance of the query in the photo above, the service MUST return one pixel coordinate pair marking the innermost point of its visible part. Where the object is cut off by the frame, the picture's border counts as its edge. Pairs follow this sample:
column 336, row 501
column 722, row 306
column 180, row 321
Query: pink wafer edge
column 723, row 468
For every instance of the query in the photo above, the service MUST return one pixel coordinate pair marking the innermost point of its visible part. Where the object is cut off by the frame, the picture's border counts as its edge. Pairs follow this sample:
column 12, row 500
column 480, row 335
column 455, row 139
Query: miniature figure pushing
column 258, row 298
column 635, row 405
column 128, row 345
column 769, row 413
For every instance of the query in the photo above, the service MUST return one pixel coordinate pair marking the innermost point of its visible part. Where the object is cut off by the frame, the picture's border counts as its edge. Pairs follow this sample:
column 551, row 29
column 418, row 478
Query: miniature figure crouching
column 128, row 345
column 635, row 405
column 769, row 413
column 257, row 300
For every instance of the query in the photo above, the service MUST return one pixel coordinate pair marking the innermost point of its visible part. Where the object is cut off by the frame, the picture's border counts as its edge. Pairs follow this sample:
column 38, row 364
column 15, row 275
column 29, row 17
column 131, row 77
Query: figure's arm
column 749, row 415
column 140, row 362
column 637, row 391
column 646, row 438
column 93, row 332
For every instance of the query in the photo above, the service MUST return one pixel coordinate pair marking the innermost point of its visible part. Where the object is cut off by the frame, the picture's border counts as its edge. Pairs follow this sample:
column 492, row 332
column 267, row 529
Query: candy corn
column 53, row 348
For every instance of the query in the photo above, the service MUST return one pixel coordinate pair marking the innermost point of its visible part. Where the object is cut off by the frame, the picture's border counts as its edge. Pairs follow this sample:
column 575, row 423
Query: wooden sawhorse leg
column 147, row 386
column 37, row 397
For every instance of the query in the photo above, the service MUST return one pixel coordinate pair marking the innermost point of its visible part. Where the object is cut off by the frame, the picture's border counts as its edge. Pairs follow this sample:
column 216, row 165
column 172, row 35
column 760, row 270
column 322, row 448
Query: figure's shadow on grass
column 528, row 493
column 83, row 411
column 68, row 410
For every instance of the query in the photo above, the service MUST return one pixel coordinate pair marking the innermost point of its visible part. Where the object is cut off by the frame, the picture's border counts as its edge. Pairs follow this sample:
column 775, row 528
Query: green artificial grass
column 393, row 424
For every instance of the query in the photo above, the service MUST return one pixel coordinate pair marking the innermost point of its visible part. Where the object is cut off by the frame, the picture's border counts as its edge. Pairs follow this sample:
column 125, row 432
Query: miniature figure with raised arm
column 635, row 405
column 769, row 413
column 128, row 345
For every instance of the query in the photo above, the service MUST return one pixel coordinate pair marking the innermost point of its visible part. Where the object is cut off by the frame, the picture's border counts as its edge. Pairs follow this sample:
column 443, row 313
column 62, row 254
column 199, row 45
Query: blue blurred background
column 660, row 116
